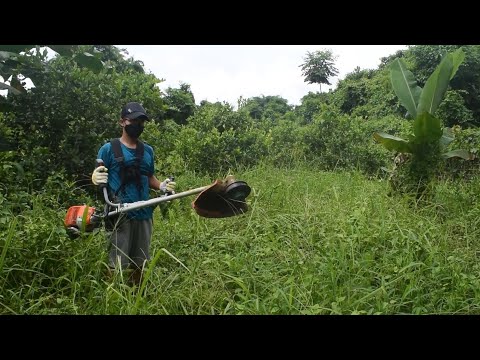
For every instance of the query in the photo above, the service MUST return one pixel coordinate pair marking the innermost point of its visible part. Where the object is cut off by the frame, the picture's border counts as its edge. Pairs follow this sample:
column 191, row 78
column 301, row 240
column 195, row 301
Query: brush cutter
column 221, row 199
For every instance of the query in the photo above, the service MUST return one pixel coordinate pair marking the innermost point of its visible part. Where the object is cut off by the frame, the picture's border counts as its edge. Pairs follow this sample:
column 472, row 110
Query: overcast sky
column 226, row 72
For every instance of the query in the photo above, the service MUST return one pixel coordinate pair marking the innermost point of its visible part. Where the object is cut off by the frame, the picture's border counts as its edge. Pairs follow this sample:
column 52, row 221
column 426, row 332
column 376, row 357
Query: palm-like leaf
column 427, row 128
column 393, row 143
column 460, row 153
column 405, row 86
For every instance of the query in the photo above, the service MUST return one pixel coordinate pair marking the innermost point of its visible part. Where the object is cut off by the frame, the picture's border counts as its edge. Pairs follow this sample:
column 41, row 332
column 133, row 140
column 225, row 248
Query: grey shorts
column 130, row 242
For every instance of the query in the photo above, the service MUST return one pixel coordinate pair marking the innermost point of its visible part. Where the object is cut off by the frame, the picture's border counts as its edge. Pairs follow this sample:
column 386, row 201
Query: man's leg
column 121, row 244
column 141, row 236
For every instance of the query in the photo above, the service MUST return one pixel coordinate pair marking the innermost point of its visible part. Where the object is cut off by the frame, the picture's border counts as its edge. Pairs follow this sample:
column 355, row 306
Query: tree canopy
column 318, row 67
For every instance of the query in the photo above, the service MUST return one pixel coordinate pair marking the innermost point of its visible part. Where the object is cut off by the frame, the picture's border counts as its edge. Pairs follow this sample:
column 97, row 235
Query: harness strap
column 120, row 159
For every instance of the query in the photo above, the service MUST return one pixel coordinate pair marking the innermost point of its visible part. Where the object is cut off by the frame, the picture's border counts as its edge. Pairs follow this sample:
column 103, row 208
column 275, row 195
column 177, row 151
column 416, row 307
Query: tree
column 318, row 67
column 117, row 58
column 181, row 103
column 19, row 62
column 269, row 107
column 71, row 111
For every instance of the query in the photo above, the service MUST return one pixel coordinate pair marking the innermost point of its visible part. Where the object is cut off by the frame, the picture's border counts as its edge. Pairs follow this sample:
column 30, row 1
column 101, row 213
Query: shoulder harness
column 130, row 173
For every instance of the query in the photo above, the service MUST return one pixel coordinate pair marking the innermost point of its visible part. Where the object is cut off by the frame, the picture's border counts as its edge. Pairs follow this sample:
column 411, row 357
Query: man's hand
column 167, row 186
column 100, row 175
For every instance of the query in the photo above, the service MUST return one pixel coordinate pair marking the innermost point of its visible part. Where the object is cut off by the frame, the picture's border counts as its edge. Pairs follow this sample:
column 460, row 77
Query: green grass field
column 311, row 243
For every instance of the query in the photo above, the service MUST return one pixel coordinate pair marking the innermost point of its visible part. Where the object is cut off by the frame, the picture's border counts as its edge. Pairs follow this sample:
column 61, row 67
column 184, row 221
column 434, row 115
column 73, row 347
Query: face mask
column 134, row 130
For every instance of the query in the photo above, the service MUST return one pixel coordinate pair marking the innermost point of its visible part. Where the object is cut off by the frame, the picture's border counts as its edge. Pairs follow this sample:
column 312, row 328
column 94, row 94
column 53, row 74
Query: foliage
column 62, row 122
column 367, row 94
column 386, row 60
column 115, row 58
column 453, row 110
column 269, row 108
column 162, row 137
column 468, row 139
column 286, row 146
column 28, row 61
column 344, row 143
column 311, row 104
column 21, row 62
column 180, row 103
column 424, row 59
column 219, row 138
column 428, row 139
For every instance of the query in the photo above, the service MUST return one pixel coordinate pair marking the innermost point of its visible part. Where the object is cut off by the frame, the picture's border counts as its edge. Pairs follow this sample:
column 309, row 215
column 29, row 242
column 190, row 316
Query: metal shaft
column 107, row 200
column 141, row 204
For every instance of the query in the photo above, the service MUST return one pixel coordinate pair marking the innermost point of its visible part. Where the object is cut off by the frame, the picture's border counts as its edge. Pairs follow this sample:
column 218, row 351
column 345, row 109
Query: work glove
column 100, row 175
column 167, row 186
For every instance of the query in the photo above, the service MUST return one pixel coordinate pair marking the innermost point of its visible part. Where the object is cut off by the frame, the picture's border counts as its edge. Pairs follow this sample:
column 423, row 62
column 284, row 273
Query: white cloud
column 226, row 72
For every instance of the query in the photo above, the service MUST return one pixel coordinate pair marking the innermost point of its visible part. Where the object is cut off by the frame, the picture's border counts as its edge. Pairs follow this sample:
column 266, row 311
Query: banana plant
column 429, row 139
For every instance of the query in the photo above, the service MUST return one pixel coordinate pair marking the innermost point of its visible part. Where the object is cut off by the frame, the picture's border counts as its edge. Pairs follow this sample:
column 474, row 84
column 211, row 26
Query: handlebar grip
column 168, row 193
column 99, row 162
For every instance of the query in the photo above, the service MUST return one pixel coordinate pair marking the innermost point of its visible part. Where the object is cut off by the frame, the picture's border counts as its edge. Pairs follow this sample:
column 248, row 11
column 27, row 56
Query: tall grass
column 311, row 243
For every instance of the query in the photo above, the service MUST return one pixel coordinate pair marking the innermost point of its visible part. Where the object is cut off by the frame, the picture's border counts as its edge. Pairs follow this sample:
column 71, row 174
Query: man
column 129, row 174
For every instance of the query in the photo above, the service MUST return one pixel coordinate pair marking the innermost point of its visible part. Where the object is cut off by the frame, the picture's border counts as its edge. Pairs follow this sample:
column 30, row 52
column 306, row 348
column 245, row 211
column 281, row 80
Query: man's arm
column 153, row 183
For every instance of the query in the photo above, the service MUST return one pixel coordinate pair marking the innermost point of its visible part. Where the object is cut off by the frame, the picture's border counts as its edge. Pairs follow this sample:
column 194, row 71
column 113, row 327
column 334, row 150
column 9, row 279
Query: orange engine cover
column 75, row 214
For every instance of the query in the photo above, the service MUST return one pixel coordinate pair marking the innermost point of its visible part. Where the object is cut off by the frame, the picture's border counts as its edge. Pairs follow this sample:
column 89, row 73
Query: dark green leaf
column 405, row 86
column 447, row 137
column 4, row 105
column 15, row 83
column 63, row 50
column 4, row 86
column 427, row 128
column 5, row 145
column 457, row 58
column 393, row 143
column 436, row 86
column 4, row 55
column 464, row 154
column 89, row 61
column 16, row 48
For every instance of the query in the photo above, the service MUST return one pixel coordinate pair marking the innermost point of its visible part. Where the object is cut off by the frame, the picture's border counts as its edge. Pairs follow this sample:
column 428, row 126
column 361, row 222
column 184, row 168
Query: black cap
column 134, row 110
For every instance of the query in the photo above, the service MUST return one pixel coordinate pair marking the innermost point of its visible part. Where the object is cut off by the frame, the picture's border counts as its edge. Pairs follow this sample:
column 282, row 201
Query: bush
column 468, row 139
column 347, row 143
column 217, row 139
